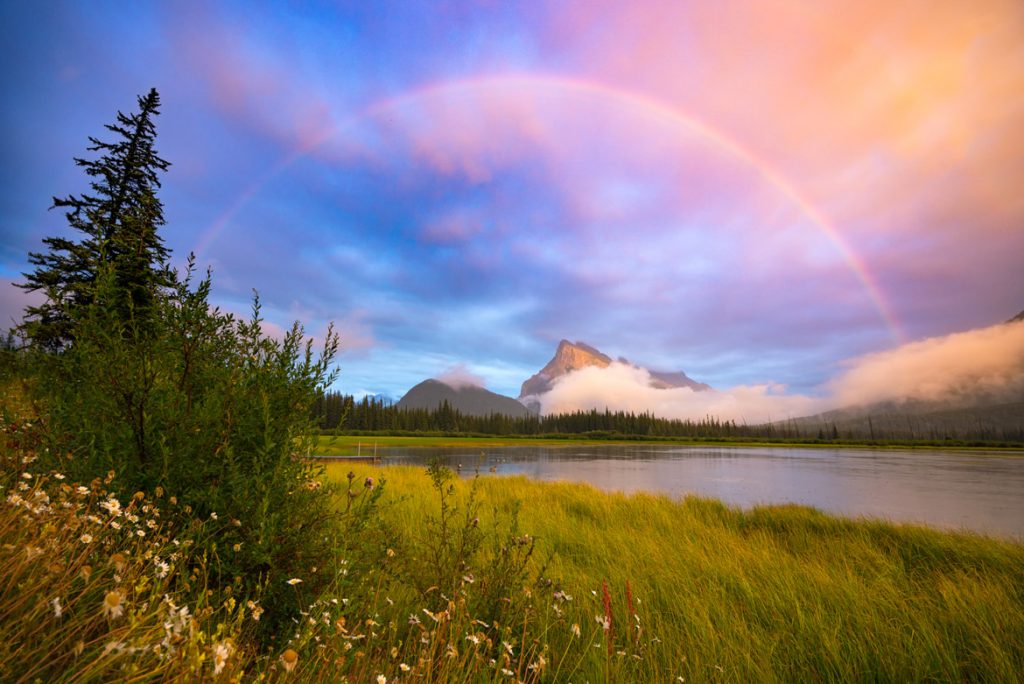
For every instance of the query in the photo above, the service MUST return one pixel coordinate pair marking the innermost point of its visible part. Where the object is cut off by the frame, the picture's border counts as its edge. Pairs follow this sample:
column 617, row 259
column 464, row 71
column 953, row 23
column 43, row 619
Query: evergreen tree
column 119, row 220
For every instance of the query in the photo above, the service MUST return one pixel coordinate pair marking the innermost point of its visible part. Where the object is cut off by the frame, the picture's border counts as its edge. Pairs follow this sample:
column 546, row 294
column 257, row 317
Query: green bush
column 206, row 405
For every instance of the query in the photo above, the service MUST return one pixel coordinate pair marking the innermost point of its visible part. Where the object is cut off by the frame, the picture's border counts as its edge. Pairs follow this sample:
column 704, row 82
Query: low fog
column 984, row 365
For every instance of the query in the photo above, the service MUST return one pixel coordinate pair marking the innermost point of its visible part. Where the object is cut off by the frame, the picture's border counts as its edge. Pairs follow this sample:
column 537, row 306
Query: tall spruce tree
column 119, row 220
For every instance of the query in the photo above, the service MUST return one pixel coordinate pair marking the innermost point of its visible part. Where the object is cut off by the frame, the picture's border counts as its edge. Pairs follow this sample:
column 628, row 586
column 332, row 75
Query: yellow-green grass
column 364, row 445
column 781, row 593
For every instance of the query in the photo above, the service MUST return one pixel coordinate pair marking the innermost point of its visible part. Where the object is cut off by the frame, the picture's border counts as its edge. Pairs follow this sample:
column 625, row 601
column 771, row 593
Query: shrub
column 204, row 404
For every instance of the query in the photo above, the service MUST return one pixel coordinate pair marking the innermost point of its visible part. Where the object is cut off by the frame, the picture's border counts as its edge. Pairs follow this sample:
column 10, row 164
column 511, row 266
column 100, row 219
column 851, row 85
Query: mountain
column 469, row 399
column 572, row 356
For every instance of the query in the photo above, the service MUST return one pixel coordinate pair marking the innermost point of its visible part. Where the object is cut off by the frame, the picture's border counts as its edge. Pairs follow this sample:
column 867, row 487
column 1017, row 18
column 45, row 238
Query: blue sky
column 751, row 192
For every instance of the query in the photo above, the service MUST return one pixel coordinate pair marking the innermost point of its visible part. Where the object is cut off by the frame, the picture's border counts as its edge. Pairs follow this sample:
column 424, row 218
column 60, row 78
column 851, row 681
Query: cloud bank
column 972, row 366
column 459, row 377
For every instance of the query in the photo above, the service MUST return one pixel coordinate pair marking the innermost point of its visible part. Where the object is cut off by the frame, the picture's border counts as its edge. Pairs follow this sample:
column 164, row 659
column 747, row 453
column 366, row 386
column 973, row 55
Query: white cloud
column 985, row 363
column 458, row 376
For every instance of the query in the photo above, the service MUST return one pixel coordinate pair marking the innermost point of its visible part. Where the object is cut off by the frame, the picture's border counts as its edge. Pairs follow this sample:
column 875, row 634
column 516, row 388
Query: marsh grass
column 776, row 593
column 496, row 580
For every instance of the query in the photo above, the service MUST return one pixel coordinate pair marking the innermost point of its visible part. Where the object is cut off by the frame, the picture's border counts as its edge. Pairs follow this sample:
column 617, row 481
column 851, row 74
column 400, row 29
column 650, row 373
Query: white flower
column 294, row 580
column 82, row 490
column 86, row 538
column 221, row 652
column 381, row 679
column 112, row 505
column 112, row 605
column 403, row 667
column 59, row 476
column 575, row 629
column 162, row 568
column 57, row 610
column 27, row 476
column 213, row 515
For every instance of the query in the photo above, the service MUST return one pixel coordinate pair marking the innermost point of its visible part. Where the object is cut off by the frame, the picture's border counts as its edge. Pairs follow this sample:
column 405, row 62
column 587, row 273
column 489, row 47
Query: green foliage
column 119, row 220
column 203, row 404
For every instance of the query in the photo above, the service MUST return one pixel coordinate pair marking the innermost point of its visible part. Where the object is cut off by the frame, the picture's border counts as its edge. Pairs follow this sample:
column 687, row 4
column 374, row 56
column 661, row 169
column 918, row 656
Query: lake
column 978, row 491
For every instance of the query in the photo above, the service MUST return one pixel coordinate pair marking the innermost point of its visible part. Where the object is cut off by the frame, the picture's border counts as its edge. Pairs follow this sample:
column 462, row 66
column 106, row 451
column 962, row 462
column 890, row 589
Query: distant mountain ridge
column 573, row 356
column 468, row 399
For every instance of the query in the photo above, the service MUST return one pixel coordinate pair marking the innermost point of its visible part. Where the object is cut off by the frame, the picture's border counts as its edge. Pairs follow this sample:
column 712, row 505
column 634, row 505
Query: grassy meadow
column 778, row 593
column 350, row 445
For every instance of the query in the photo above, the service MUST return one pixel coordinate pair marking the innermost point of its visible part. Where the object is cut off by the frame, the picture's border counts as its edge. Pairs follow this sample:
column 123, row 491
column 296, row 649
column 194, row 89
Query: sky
column 752, row 192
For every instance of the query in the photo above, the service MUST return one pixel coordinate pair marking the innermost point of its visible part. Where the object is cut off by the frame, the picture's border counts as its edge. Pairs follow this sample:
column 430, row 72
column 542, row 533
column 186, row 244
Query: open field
column 778, row 593
column 349, row 445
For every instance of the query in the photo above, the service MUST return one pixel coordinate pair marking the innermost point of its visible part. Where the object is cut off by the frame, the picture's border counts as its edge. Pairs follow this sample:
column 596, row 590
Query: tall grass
column 773, row 594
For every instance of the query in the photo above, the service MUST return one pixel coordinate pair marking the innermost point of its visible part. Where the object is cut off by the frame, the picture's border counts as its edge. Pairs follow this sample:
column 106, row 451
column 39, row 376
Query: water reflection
column 950, row 489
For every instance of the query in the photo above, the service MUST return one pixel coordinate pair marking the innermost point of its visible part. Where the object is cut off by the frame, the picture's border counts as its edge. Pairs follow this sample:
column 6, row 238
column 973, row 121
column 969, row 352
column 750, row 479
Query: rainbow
column 564, row 86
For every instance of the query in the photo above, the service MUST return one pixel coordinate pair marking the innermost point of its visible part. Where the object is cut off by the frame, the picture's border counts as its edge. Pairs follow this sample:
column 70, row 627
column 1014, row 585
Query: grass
column 500, row 579
column 773, row 594
column 350, row 445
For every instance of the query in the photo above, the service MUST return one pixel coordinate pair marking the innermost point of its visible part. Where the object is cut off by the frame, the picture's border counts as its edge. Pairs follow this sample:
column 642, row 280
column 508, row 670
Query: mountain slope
column 572, row 356
column 470, row 400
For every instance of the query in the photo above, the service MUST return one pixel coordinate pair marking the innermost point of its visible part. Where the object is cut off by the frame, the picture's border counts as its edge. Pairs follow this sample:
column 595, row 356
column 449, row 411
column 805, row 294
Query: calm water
column 949, row 489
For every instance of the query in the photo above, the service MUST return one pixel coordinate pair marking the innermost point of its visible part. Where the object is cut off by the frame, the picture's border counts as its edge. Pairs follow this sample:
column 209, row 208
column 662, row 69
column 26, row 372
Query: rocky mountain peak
column 572, row 356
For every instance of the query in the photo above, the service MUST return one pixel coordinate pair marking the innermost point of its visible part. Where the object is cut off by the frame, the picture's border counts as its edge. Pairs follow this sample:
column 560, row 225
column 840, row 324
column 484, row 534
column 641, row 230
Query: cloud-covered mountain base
column 983, row 367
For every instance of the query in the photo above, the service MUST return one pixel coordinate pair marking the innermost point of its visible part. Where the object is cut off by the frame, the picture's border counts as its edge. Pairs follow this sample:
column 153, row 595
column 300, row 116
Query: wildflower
column 59, row 476
column 288, row 659
column 82, row 489
column 391, row 553
column 151, row 524
column 112, row 606
column 118, row 561
column 86, row 572
column 57, row 609
column 112, row 505
column 86, row 538
column 159, row 491
column 213, row 515
column 508, row 647
column 474, row 638
column 604, row 621
column 173, row 500
column 114, row 524
column 28, row 476
column 368, row 483
column 507, row 672
column 294, row 580
column 237, row 547
column 221, row 652
column 381, row 679
column 162, row 568
column 140, row 533
column 403, row 667
column 575, row 629
column 413, row 620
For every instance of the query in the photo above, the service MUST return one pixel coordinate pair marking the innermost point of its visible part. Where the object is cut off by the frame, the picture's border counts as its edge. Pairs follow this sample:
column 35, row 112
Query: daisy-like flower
column 86, row 538
column 112, row 505
column 403, row 667
column 27, row 476
column 288, row 659
column 57, row 609
column 294, row 580
column 162, row 568
column 221, row 652
column 381, row 679
column 213, row 515
column 113, row 606
column 575, row 629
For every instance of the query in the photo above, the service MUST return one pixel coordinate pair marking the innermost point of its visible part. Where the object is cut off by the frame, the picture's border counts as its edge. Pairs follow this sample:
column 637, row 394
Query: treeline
column 343, row 413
